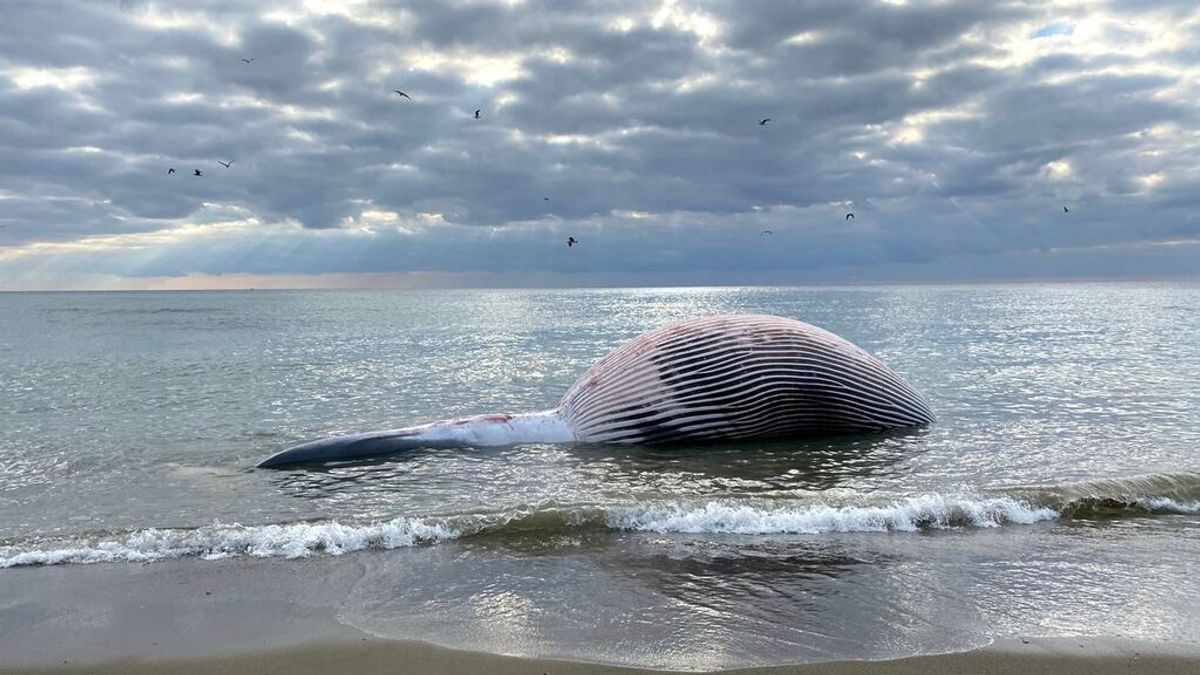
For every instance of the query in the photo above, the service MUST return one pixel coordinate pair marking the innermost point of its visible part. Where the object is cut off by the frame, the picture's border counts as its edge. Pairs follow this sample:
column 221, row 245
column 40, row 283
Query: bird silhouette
column 198, row 172
column 477, row 113
column 764, row 121
column 571, row 241
column 1066, row 210
column 765, row 232
column 849, row 216
column 170, row 171
column 247, row 60
column 402, row 94
column 545, row 199
column 225, row 164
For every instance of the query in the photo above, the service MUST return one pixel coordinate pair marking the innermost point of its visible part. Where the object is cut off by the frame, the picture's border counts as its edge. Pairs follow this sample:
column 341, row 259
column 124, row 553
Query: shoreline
column 370, row 655
column 254, row 616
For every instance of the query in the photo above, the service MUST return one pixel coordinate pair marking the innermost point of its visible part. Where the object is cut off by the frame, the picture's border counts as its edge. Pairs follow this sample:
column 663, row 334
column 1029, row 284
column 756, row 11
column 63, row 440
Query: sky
column 971, row 140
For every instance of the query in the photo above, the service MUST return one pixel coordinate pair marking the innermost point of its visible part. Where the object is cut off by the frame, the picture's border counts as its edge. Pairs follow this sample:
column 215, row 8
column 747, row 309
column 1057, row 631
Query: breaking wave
column 292, row 540
column 1141, row 496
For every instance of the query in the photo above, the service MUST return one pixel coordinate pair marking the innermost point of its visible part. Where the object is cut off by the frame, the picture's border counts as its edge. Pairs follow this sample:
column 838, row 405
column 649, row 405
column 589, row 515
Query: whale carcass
column 732, row 377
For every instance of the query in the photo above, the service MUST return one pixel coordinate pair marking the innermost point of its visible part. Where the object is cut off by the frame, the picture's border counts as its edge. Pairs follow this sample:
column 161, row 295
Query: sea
column 1057, row 494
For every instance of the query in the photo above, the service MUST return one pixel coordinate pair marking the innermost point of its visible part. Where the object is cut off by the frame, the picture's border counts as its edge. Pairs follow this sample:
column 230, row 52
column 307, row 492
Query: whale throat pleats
column 738, row 377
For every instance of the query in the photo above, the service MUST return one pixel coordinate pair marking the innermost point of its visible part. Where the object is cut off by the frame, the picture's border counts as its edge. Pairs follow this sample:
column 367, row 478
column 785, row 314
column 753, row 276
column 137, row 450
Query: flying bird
column 247, row 60
column 198, row 172
column 765, row 232
column 225, row 164
column 764, row 121
column 170, row 171
column 545, row 199
column 477, row 113
column 571, row 241
column 402, row 94
column 849, row 216
column 1066, row 210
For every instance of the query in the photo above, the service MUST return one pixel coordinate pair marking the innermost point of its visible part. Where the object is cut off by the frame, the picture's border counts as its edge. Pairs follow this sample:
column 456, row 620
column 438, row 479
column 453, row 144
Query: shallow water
column 1057, row 494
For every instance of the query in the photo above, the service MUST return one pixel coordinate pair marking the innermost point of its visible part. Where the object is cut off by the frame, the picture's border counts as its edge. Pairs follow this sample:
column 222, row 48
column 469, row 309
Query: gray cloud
column 955, row 130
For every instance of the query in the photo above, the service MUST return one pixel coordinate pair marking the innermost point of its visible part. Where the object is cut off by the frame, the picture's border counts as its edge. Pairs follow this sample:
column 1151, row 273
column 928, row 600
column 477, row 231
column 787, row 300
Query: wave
column 909, row 515
column 1154, row 494
column 1143, row 496
column 163, row 310
column 292, row 540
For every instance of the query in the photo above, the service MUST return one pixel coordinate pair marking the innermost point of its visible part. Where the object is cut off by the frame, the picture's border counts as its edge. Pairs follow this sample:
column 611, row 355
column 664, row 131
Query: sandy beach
column 272, row 616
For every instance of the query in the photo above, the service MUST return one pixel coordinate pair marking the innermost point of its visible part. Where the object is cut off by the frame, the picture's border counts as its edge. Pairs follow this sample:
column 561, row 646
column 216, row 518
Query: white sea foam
column 926, row 511
column 738, row 517
column 1168, row 505
column 293, row 540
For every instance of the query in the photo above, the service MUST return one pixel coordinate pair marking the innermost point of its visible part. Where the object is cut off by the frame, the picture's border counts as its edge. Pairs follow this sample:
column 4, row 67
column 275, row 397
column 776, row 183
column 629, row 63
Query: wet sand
column 271, row 616
column 1062, row 656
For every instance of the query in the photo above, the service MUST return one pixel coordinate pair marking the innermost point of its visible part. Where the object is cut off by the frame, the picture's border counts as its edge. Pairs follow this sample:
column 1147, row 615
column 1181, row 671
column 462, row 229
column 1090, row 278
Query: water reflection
column 812, row 464
column 672, row 602
column 684, row 601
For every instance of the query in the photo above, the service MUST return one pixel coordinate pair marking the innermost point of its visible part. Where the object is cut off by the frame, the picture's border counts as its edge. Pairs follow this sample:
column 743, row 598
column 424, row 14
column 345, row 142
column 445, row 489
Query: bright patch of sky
column 1050, row 30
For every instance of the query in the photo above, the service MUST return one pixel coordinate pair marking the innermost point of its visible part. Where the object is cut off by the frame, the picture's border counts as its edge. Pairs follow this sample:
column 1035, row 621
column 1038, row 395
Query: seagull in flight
column 225, row 164
column 477, row 113
column 198, row 172
column 571, row 241
column 170, row 171
column 849, row 216
column 402, row 94
column 765, row 232
column 763, row 121
column 248, row 60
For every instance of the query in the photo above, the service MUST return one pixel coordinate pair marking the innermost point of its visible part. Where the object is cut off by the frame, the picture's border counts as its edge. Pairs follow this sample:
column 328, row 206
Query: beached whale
column 732, row 377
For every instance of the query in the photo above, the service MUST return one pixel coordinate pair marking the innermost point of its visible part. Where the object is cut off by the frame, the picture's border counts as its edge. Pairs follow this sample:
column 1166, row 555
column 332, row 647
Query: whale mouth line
column 408, row 442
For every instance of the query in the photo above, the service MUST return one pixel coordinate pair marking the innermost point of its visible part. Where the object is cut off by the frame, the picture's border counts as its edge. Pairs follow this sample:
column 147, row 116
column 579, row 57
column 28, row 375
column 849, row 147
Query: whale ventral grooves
column 738, row 377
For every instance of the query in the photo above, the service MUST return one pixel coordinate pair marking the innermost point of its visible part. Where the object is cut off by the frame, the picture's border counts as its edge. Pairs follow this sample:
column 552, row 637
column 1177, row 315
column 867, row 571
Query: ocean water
column 1057, row 494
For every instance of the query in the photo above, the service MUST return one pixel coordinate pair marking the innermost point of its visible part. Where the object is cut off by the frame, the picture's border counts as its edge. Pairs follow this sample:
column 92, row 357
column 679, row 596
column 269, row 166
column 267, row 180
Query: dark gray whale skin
column 338, row 448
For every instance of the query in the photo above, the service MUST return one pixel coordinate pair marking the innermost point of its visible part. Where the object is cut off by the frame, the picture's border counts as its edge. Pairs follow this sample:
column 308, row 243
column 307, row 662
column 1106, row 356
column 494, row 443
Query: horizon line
column 987, row 281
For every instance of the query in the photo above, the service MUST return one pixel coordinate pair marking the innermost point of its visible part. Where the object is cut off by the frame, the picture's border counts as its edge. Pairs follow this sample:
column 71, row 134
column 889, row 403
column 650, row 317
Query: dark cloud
column 952, row 128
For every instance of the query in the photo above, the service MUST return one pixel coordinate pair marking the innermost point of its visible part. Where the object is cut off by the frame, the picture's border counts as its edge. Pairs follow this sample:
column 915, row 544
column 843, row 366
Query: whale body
column 733, row 377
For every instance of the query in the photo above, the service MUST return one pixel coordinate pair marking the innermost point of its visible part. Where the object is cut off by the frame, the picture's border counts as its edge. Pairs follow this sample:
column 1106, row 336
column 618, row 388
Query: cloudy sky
column 956, row 131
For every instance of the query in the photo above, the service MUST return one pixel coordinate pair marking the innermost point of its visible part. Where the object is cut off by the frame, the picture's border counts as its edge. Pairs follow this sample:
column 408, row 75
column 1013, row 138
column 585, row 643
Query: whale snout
column 351, row 446
column 546, row 426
